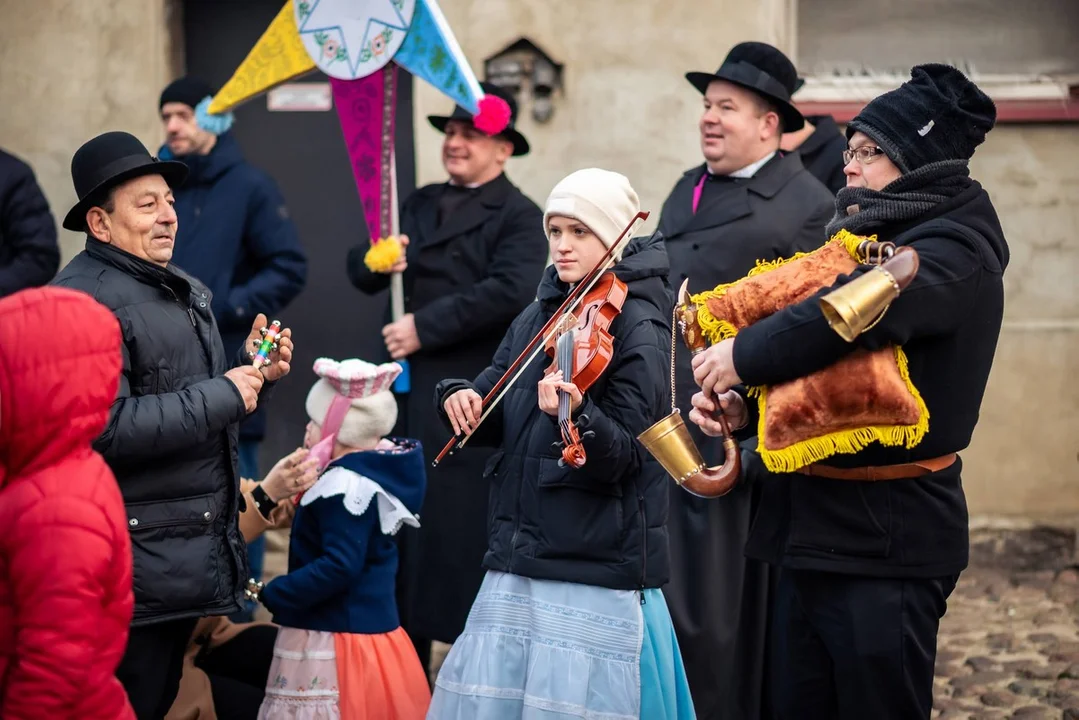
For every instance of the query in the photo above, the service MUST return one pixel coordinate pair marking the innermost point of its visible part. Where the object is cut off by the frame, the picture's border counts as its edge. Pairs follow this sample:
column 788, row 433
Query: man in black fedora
column 820, row 145
column 871, row 543
column 172, row 432
column 747, row 201
column 475, row 255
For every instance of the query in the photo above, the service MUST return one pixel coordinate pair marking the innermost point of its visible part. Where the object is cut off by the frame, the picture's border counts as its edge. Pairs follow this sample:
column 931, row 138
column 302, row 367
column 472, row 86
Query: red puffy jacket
column 65, row 554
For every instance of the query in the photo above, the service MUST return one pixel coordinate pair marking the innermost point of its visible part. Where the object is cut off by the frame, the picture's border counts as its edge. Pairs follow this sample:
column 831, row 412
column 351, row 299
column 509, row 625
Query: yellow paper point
column 383, row 254
column 278, row 56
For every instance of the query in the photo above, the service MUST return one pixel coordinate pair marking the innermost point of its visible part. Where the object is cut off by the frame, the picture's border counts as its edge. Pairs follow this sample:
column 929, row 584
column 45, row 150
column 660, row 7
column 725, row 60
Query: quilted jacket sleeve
column 66, row 621
column 151, row 425
column 272, row 245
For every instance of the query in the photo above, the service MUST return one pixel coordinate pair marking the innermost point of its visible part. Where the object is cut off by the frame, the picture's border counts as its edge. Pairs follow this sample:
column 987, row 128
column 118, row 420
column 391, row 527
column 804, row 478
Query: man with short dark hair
column 172, row 431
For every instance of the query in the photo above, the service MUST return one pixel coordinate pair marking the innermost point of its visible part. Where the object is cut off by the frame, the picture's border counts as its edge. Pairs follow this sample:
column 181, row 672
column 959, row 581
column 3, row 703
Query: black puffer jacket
column 606, row 523
column 171, row 437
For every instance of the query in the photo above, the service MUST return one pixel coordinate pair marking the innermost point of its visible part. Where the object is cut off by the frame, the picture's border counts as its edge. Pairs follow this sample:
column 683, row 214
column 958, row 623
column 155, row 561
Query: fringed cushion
column 864, row 397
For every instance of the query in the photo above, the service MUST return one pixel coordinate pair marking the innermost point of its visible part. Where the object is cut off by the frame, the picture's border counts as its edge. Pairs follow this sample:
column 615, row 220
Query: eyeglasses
column 865, row 154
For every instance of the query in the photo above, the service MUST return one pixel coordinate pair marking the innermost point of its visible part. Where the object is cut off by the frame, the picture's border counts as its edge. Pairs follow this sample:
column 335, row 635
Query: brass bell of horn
column 860, row 304
column 669, row 441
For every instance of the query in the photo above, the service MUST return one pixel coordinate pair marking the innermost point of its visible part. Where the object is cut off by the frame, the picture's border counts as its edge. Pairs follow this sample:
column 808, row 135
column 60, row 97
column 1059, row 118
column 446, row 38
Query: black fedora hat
column 520, row 145
column 763, row 69
column 106, row 161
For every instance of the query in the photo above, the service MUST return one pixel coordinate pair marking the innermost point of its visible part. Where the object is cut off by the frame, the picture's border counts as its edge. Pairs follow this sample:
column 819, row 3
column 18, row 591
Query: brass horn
column 860, row 304
column 669, row 440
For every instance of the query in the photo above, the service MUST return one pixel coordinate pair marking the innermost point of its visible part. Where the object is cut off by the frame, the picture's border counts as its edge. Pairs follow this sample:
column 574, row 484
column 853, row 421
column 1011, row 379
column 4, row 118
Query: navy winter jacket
column 342, row 568
column 236, row 237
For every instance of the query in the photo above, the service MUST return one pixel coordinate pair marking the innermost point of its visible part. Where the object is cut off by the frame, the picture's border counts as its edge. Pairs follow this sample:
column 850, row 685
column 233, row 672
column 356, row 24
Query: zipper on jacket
column 190, row 312
column 644, row 545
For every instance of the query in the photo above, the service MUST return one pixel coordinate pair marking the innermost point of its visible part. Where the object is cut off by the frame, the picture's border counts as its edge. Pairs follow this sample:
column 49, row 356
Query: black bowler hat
column 763, row 69
column 520, row 145
column 106, row 161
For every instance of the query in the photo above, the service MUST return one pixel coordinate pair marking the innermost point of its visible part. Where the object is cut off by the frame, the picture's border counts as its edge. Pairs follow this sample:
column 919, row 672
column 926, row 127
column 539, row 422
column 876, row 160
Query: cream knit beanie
column 601, row 199
column 372, row 408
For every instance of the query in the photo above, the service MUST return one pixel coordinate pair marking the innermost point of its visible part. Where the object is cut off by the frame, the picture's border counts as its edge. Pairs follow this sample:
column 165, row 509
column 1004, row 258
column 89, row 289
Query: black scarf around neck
column 860, row 209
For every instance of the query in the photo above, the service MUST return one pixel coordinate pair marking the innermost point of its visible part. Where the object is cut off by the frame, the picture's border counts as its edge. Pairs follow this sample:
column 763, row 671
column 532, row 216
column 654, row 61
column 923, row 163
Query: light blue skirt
column 548, row 650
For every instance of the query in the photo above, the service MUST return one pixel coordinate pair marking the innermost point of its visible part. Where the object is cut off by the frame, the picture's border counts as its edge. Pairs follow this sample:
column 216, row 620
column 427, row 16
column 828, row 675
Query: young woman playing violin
column 570, row 621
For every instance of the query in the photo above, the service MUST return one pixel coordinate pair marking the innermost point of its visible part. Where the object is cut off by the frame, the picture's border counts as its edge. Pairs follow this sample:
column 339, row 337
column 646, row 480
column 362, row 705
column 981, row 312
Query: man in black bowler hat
column 747, row 201
column 476, row 251
column 871, row 543
column 172, row 432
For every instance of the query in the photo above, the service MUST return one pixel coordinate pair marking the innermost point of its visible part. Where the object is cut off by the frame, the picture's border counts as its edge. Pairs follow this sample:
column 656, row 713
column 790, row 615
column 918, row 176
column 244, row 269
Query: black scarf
column 859, row 209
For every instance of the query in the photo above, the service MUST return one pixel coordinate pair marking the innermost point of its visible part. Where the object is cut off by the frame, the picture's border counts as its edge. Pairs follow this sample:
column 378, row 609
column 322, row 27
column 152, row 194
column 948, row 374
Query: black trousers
column 238, row 670
column 849, row 648
column 152, row 665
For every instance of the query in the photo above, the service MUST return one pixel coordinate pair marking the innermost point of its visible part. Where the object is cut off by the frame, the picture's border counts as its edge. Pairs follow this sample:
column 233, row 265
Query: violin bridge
column 567, row 322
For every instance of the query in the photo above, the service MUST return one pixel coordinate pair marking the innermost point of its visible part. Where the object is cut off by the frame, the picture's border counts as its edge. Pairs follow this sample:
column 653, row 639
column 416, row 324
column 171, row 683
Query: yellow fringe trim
column 843, row 442
column 716, row 329
column 382, row 254
column 846, row 442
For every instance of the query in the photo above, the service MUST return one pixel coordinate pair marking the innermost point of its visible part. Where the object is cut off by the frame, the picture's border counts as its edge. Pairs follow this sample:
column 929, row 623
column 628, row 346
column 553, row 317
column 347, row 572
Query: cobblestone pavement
column 1009, row 643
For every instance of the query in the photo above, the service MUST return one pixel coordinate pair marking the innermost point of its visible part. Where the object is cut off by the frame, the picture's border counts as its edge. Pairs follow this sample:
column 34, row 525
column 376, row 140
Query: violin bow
column 549, row 329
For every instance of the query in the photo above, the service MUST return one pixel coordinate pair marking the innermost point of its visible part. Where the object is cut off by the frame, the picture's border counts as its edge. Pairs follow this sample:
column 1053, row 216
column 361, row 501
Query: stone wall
column 70, row 69
column 1023, row 459
column 625, row 105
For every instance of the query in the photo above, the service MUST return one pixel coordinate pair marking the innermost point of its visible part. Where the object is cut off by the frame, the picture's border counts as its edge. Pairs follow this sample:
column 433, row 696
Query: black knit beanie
column 936, row 115
column 187, row 90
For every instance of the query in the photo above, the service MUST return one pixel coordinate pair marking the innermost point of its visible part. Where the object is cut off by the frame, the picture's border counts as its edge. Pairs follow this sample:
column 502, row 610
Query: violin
column 583, row 349
column 565, row 317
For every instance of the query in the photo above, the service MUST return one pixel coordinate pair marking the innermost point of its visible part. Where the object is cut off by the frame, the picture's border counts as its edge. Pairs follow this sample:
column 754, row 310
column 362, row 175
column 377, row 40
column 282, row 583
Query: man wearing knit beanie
column 235, row 235
column 746, row 201
column 868, row 566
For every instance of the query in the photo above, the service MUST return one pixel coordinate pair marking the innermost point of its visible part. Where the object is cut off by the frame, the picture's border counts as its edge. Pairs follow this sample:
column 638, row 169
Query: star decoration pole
column 359, row 44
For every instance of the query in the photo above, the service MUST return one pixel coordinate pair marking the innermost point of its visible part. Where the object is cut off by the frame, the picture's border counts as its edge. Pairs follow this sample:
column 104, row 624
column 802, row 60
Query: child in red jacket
column 65, row 555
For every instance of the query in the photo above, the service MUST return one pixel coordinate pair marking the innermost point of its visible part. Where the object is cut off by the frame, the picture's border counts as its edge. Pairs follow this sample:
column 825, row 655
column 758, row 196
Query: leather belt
column 881, row 472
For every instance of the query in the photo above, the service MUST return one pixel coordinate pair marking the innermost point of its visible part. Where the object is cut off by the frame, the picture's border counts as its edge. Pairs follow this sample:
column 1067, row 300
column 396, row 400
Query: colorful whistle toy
column 268, row 344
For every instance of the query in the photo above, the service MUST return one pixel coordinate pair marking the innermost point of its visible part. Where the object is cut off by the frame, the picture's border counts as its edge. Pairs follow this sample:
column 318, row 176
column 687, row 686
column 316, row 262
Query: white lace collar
column 357, row 491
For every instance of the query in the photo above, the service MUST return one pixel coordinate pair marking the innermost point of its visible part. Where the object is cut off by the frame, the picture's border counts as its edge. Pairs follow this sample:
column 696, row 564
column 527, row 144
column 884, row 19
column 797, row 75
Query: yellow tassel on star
column 278, row 56
column 383, row 254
